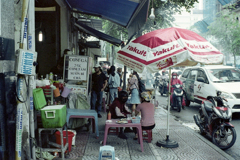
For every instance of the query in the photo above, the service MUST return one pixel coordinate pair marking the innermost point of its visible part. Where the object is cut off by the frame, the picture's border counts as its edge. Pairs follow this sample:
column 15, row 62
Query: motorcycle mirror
column 219, row 93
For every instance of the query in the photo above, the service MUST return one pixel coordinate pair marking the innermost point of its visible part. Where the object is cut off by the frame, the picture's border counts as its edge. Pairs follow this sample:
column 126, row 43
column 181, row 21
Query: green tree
column 226, row 30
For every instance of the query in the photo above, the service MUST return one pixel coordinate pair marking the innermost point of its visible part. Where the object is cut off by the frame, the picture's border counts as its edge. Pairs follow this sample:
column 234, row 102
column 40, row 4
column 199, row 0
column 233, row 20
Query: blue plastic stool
column 108, row 149
column 84, row 113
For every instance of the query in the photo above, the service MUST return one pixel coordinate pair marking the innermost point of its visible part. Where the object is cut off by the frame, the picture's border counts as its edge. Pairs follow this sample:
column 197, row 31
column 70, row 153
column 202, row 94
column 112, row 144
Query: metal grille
column 237, row 95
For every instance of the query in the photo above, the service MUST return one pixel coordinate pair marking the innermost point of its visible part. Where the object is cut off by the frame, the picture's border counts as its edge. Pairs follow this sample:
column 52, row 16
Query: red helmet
column 174, row 74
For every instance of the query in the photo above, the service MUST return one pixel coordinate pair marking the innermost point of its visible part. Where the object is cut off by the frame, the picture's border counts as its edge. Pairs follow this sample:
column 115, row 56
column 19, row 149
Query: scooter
column 163, row 89
column 156, row 83
column 213, row 121
column 177, row 96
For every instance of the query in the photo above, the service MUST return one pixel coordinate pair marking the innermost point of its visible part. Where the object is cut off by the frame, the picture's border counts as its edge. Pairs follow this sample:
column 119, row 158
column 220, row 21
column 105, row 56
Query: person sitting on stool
column 146, row 109
column 119, row 110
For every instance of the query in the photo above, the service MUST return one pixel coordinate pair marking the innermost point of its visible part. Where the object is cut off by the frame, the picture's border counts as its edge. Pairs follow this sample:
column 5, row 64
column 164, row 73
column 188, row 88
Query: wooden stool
column 148, row 137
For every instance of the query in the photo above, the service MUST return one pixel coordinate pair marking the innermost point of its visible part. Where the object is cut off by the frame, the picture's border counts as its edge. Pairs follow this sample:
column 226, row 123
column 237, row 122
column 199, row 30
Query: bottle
column 51, row 76
column 109, row 115
column 133, row 113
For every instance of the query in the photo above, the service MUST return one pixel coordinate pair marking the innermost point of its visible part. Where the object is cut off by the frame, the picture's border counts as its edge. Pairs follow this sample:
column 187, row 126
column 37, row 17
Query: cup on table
column 129, row 116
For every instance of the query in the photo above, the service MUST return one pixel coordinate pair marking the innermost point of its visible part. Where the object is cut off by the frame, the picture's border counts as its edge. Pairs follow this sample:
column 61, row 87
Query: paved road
column 186, row 117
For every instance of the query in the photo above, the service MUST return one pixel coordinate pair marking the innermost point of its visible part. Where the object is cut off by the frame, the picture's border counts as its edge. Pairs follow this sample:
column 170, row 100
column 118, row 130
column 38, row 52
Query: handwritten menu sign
column 77, row 67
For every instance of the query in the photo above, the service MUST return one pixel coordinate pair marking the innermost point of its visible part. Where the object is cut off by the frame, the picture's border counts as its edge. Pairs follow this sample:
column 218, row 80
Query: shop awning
column 224, row 2
column 98, row 34
column 123, row 12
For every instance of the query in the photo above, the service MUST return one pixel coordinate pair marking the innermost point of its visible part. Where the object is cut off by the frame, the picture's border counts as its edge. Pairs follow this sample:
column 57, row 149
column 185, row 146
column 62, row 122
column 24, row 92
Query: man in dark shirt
column 99, row 82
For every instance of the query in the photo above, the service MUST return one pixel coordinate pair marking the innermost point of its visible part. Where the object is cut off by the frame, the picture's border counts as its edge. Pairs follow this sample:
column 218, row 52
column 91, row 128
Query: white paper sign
column 77, row 68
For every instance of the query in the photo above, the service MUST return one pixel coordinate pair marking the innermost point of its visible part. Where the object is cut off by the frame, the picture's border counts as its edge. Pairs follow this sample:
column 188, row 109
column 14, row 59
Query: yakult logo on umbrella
column 134, row 49
column 197, row 46
column 166, row 50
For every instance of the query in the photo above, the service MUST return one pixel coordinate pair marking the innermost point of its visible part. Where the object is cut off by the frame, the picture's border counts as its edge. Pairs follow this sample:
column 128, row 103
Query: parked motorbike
column 156, row 82
column 163, row 89
column 213, row 120
column 177, row 96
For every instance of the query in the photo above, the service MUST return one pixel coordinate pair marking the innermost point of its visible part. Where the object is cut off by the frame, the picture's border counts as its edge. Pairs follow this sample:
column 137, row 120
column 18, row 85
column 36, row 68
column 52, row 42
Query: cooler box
column 54, row 116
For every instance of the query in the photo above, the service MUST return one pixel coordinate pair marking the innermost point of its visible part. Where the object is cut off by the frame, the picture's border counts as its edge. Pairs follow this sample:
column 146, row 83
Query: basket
column 136, row 119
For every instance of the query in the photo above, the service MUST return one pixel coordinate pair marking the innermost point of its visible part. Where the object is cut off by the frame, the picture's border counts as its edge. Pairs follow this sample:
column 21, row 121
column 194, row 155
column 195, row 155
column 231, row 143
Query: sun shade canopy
column 98, row 34
column 121, row 12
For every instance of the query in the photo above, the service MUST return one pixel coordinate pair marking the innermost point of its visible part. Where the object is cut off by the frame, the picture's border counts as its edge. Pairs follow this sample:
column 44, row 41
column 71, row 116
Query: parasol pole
column 166, row 142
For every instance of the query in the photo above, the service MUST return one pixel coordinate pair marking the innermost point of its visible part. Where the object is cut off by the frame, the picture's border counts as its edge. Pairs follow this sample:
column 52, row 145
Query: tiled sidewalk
column 191, row 144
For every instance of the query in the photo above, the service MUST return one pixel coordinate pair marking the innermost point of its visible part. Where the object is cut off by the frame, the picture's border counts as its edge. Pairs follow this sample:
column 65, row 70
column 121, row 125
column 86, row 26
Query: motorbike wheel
column 179, row 106
column 226, row 140
column 198, row 123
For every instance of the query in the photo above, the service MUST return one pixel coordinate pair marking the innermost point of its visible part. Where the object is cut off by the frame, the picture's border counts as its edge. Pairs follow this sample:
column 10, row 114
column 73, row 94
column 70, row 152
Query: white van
column 200, row 83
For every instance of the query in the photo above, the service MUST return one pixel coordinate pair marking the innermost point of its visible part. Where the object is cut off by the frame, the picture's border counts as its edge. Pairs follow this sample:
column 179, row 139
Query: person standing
column 99, row 83
column 113, row 83
column 119, row 71
column 134, row 89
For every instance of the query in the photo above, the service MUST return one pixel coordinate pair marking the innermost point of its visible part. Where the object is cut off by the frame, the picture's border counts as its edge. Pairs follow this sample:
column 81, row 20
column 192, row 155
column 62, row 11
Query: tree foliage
column 226, row 31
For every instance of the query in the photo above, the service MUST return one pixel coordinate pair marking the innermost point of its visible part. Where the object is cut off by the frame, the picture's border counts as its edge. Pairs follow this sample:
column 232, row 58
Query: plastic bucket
column 65, row 92
column 70, row 136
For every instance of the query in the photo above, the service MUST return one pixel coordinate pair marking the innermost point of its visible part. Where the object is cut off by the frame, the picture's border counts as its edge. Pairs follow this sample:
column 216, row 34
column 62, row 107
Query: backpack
column 141, row 86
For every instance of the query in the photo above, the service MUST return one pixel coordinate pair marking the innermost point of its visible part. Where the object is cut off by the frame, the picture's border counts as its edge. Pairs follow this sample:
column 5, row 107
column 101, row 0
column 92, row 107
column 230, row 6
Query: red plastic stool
column 147, row 137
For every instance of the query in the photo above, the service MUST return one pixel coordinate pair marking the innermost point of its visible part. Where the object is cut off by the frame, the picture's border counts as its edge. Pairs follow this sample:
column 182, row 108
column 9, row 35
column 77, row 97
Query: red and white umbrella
column 164, row 48
column 168, row 47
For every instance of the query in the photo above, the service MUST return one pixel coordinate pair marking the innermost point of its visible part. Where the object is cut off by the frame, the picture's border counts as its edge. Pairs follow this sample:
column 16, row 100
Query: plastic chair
column 106, row 149
column 48, row 92
column 83, row 113
column 148, row 137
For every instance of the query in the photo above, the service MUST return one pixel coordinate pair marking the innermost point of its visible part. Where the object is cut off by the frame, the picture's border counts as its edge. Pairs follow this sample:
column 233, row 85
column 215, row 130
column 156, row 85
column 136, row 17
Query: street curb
column 220, row 151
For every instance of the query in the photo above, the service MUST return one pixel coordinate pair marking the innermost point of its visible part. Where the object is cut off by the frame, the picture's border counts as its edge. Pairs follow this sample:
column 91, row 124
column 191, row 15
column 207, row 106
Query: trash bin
column 70, row 136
